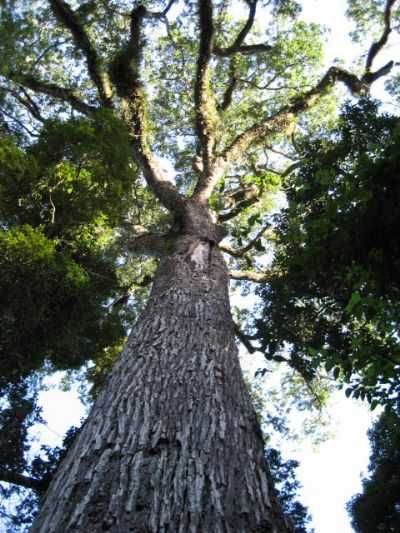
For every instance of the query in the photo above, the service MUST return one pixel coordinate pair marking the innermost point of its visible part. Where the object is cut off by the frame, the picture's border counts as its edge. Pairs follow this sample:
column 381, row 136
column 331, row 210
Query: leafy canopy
column 335, row 302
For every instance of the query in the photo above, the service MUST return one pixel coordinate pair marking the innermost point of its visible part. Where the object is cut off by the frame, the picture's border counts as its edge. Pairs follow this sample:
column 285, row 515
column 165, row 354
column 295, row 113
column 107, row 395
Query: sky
column 330, row 474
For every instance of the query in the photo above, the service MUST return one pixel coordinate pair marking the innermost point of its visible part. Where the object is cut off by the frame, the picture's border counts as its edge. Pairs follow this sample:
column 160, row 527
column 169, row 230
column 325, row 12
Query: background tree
column 286, row 484
column 340, row 312
column 92, row 128
column 377, row 508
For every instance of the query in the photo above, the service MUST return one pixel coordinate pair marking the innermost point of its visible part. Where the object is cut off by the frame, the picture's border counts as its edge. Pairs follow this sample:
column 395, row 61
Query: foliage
column 61, row 199
column 286, row 485
column 289, row 407
column 367, row 15
column 341, row 311
column 19, row 505
column 377, row 508
column 19, row 413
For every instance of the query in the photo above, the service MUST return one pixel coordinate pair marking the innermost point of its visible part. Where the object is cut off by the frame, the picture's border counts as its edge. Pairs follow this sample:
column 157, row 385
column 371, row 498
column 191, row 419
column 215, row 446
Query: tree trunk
column 172, row 443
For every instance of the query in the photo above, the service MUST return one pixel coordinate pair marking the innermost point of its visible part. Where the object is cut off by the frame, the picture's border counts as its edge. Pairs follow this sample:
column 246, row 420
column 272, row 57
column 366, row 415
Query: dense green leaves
column 335, row 301
column 64, row 200
column 51, row 304
column 61, row 200
column 377, row 508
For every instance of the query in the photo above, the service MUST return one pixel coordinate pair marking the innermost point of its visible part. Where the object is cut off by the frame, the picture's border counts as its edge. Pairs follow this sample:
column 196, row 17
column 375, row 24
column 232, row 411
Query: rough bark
column 172, row 443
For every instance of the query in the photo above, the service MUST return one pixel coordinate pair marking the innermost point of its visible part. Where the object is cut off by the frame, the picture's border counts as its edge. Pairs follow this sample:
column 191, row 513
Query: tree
column 172, row 442
column 341, row 313
column 284, row 478
column 377, row 508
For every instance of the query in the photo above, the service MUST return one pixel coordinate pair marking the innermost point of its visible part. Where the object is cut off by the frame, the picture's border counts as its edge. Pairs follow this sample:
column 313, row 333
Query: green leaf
column 348, row 392
column 355, row 299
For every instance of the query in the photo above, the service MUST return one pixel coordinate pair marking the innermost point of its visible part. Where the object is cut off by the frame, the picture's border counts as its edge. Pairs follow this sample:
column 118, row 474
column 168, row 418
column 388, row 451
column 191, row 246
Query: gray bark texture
column 172, row 443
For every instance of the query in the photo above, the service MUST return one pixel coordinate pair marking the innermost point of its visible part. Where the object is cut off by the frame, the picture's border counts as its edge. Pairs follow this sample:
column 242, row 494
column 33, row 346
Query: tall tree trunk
column 172, row 443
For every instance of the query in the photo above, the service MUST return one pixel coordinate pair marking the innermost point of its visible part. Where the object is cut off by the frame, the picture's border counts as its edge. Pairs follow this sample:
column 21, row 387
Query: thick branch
column 203, row 99
column 250, row 275
column 241, row 193
column 378, row 45
column 237, row 46
column 240, row 252
column 23, row 481
column 59, row 93
column 370, row 77
column 125, row 73
column 282, row 121
column 69, row 19
column 239, row 200
column 279, row 122
column 238, row 208
column 246, row 49
column 227, row 97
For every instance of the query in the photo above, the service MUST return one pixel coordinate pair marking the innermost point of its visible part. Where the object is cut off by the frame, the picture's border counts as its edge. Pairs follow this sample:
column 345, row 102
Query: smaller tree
column 334, row 302
column 377, row 508
column 286, row 488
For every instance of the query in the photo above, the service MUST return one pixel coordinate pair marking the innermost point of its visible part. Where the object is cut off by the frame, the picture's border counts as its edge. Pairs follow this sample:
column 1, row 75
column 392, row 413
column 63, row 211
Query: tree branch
column 125, row 73
column 123, row 298
column 291, row 168
column 60, row 93
column 161, row 14
column 70, row 20
column 248, row 49
column 227, row 97
column 25, row 100
column 17, row 121
column 29, row 104
column 240, row 199
column 370, row 77
column 282, row 121
column 284, row 154
column 378, row 45
column 237, row 46
column 38, row 485
column 151, row 244
column 250, row 275
column 240, row 252
column 204, row 104
column 244, row 339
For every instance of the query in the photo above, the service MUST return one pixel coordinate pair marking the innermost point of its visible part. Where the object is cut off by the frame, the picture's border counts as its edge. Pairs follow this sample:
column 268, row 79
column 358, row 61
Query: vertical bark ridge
column 172, row 443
